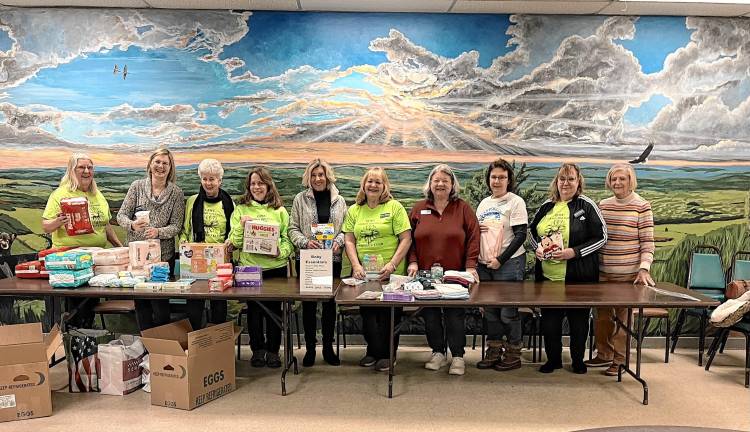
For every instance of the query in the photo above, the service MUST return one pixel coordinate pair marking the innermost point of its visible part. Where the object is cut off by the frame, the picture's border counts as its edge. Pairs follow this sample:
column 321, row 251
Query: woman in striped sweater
column 626, row 257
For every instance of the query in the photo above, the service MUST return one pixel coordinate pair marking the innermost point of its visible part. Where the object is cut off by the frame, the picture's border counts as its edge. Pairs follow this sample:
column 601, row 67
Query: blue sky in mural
column 5, row 41
column 643, row 115
column 671, row 33
column 269, row 52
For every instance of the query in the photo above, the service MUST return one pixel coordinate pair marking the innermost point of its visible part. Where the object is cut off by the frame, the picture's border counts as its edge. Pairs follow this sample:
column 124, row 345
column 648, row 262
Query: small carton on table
column 201, row 260
column 261, row 238
column 24, row 371
column 190, row 368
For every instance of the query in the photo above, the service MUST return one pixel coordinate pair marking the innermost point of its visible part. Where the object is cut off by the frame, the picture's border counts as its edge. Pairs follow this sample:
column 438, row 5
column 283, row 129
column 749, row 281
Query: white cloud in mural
column 31, row 116
column 253, row 102
column 106, row 29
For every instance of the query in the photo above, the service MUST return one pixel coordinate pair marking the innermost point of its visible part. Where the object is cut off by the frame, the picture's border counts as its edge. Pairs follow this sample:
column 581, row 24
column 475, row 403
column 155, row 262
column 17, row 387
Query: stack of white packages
column 452, row 291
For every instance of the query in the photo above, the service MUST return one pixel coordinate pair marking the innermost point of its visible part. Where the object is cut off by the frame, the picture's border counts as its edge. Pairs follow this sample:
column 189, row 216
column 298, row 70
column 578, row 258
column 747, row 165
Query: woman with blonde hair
column 626, row 257
column 158, row 194
column 377, row 232
column 261, row 202
column 445, row 231
column 78, row 182
column 319, row 203
column 567, row 232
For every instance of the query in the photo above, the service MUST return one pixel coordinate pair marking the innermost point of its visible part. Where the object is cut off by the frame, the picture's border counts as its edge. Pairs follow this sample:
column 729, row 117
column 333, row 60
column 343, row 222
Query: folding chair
column 740, row 270
column 705, row 276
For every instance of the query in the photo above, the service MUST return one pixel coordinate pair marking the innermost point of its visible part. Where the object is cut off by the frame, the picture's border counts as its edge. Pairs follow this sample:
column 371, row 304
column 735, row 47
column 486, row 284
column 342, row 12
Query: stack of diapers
column 111, row 261
column 69, row 269
column 158, row 272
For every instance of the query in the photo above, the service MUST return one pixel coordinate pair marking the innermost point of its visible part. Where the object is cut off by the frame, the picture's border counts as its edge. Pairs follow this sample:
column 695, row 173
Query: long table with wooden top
column 550, row 295
column 285, row 290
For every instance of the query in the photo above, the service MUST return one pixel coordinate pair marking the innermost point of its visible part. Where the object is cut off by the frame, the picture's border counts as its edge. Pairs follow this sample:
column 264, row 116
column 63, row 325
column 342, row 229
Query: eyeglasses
column 84, row 168
column 567, row 179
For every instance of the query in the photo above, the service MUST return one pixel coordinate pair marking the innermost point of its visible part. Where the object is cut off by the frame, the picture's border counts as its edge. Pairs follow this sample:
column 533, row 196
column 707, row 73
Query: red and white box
column 77, row 209
column 30, row 270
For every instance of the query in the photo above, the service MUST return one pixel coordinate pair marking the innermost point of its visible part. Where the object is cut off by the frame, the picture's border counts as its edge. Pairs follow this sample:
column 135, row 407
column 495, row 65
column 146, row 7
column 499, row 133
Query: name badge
column 426, row 212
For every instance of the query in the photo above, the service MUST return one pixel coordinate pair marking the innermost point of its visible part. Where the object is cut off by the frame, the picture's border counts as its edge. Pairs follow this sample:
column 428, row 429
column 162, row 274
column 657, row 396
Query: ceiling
column 574, row 7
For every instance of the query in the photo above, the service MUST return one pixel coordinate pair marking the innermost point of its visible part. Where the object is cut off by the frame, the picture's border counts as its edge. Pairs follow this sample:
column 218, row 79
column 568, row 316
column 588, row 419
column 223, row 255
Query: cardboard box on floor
column 190, row 368
column 25, row 352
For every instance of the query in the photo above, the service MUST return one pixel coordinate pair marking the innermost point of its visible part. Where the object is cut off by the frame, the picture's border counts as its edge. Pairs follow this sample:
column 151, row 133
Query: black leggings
column 270, row 340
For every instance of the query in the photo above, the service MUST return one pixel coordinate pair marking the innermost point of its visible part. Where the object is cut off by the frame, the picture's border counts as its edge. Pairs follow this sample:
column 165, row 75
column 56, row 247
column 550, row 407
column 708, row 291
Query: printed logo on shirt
column 369, row 235
column 97, row 216
column 385, row 215
column 493, row 213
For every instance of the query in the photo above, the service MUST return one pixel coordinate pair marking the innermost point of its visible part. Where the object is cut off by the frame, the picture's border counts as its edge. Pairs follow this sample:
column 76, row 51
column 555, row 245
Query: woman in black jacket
column 567, row 231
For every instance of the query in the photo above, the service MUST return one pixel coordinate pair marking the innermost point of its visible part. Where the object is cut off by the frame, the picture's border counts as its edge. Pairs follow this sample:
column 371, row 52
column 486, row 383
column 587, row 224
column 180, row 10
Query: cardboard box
column 24, row 371
column 200, row 260
column 190, row 368
column 261, row 238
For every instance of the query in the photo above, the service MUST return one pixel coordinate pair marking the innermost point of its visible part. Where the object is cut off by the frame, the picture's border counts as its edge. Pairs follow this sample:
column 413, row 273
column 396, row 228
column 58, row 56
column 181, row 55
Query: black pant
column 552, row 322
column 151, row 313
column 454, row 329
column 217, row 314
column 376, row 322
column 257, row 316
column 84, row 317
column 154, row 313
column 327, row 317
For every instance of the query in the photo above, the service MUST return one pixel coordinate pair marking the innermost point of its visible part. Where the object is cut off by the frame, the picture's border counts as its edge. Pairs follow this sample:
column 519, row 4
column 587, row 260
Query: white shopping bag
column 121, row 369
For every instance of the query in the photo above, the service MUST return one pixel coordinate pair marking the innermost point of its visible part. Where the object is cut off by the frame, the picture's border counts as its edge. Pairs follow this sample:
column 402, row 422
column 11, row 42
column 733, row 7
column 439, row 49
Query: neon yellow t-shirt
column 377, row 229
column 214, row 222
column 554, row 229
column 98, row 212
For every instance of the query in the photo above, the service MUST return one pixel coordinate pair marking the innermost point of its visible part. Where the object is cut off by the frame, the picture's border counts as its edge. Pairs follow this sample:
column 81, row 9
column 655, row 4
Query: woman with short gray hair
column 207, row 216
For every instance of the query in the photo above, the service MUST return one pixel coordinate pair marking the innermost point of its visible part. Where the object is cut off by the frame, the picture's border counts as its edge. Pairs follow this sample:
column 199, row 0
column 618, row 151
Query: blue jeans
column 504, row 321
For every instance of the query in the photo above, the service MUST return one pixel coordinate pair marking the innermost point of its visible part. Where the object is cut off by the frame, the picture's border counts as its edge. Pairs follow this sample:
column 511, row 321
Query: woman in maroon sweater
column 445, row 231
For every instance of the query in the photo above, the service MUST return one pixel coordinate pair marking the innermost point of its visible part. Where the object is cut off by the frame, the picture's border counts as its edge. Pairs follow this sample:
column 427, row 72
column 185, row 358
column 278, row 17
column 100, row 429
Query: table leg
column 392, row 355
column 284, row 322
column 639, row 345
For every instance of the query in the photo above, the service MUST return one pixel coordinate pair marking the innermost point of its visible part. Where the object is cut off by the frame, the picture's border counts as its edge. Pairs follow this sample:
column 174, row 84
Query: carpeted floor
column 350, row 398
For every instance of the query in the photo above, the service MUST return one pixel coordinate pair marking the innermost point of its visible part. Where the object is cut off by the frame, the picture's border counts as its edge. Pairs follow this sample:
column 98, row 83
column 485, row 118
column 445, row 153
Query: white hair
column 210, row 167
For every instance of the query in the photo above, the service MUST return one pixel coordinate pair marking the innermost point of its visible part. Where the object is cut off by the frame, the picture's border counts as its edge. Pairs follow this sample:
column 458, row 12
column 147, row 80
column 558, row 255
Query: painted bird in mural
column 124, row 71
column 116, row 70
column 643, row 158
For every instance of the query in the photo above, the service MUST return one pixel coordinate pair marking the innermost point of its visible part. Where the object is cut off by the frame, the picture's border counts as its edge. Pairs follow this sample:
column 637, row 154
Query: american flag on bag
column 84, row 368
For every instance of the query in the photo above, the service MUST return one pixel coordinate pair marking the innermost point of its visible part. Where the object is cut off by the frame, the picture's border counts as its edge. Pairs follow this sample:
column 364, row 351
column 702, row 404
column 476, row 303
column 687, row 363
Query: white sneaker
column 458, row 367
column 437, row 361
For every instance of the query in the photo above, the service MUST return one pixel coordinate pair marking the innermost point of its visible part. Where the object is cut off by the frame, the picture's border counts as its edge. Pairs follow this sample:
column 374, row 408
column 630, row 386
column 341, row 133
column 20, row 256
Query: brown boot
column 511, row 359
column 493, row 355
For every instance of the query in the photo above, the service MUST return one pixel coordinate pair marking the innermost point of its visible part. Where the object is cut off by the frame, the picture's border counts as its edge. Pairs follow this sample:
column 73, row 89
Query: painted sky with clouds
column 519, row 85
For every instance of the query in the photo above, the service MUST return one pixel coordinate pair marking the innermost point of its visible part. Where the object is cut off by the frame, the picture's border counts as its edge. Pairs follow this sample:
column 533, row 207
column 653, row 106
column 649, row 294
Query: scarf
column 199, row 230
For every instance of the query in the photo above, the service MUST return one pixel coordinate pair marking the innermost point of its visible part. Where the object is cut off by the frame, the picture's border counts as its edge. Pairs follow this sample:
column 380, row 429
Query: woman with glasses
column 78, row 182
column 567, row 232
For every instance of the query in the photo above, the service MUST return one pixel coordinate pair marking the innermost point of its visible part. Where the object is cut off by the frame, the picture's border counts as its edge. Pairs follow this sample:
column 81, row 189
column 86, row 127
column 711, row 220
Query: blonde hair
column 447, row 170
column 172, row 177
column 554, row 192
column 69, row 180
column 272, row 198
column 385, row 196
column 211, row 167
column 622, row 167
column 315, row 163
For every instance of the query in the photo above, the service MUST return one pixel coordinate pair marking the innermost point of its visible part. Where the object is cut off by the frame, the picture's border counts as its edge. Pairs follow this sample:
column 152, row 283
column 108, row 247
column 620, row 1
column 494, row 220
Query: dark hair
column 272, row 198
column 503, row 165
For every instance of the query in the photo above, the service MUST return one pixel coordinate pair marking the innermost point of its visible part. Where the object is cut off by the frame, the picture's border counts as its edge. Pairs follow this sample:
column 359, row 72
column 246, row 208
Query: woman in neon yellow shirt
column 262, row 202
column 377, row 227
column 78, row 182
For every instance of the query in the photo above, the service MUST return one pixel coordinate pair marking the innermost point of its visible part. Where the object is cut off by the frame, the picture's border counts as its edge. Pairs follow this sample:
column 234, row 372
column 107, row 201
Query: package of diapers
column 69, row 260
column 70, row 278
column 144, row 252
column 104, row 280
column 110, row 257
column 105, row 269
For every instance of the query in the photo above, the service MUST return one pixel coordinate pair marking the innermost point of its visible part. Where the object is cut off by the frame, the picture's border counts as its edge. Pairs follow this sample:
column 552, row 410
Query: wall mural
column 671, row 94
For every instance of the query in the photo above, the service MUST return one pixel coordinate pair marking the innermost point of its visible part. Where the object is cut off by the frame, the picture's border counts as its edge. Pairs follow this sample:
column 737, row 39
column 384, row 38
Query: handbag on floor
column 120, row 360
column 82, row 353
column 737, row 288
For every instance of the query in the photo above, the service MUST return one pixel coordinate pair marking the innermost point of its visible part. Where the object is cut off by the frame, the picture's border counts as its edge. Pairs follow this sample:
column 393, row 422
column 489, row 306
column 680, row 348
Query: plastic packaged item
column 77, row 210
column 144, row 252
column 113, row 269
column 372, row 263
column 29, row 270
column 324, row 233
column 43, row 253
column 157, row 272
column 219, row 284
column 248, row 276
column 436, row 271
column 110, row 257
column 70, row 278
column 225, row 270
column 143, row 216
column 104, row 280
column 68, row 260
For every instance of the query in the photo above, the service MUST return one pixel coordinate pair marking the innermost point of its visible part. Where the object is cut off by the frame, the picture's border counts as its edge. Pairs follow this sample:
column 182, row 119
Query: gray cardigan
column 305, row 213
column 167, row 213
